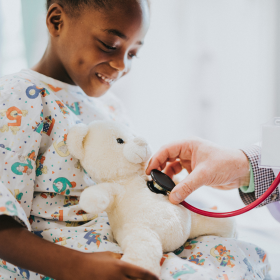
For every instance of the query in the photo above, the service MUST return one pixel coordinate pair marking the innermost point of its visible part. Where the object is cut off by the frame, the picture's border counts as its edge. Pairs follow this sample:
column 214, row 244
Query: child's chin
column 96, row 91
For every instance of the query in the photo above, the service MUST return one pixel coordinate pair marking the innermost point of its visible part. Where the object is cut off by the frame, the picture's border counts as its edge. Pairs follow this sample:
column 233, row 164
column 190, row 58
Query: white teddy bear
column 144, row 224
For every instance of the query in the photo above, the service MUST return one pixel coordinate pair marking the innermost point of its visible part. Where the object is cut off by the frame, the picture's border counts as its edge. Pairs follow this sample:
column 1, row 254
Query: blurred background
column 207, row 68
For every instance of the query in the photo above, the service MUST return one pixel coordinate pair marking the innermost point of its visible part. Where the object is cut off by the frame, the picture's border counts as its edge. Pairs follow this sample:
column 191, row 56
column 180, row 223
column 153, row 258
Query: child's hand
column 206, row 163
column 106, row 266
column 20, row 247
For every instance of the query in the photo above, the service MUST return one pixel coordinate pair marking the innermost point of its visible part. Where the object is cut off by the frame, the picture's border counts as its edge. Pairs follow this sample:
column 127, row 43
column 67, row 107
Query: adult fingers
column 192, row 182
column 187, row 164
column 173, row 168
column 223, row 188
column 226, row 187
column 135, row 272
column 170, row 153
column 163, row 165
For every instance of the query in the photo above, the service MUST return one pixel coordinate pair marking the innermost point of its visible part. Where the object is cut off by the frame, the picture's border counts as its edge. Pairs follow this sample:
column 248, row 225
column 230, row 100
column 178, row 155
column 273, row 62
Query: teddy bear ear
column 75, row 138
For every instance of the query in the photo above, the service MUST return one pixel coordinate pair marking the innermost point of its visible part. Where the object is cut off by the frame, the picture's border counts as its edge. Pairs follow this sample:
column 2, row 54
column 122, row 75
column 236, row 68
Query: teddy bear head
column 108, row 150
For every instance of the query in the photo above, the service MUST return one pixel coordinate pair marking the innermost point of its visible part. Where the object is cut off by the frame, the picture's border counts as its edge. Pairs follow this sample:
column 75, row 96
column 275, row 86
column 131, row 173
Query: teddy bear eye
column 120, row 141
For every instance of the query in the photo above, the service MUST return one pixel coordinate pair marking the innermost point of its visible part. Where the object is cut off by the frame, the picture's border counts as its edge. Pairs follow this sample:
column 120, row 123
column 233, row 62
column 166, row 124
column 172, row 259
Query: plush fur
column 144, row 224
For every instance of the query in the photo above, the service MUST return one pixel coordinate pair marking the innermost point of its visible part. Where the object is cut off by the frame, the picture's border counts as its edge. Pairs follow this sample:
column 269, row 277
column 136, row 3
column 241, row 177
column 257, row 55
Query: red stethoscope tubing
column 239, row 211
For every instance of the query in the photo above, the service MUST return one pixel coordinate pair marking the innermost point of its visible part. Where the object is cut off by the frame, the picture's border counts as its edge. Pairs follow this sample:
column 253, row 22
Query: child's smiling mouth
column 104, row 79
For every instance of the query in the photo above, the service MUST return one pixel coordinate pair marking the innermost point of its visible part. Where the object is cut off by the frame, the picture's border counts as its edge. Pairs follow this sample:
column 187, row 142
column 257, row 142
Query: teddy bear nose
column 140, row 141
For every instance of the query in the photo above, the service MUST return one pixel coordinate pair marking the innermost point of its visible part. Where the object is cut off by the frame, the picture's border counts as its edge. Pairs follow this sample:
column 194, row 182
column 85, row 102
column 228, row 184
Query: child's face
column 97, row 47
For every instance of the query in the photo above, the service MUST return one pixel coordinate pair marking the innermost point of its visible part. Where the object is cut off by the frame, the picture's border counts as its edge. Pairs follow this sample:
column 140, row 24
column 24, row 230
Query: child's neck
column 51, row 66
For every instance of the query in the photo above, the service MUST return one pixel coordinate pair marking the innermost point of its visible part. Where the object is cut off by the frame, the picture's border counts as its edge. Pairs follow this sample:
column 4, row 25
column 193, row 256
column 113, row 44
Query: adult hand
column 206, row 163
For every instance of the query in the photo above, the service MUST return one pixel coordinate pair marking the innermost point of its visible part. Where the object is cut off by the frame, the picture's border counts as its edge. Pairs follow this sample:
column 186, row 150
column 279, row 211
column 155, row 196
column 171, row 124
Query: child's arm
column 26, row 250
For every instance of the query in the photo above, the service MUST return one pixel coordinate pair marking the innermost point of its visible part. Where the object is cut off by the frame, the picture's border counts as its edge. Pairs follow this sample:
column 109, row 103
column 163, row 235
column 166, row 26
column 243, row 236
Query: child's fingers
column 117, row 256
column 136, row 272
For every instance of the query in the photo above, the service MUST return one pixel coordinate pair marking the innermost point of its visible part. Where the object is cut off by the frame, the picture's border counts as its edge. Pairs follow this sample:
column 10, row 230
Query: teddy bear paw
column 94, row 204
column 146, row 263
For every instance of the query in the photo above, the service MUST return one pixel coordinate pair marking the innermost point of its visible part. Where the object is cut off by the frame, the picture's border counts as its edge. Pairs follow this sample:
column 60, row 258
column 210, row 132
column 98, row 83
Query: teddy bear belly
column 171, row 222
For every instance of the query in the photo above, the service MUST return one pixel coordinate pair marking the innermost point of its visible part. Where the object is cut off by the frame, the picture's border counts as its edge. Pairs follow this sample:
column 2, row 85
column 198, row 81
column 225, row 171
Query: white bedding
column 256, row 226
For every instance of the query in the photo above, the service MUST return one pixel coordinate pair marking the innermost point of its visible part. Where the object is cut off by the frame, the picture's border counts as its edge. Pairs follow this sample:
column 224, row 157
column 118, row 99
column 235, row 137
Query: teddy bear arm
column 98, row 198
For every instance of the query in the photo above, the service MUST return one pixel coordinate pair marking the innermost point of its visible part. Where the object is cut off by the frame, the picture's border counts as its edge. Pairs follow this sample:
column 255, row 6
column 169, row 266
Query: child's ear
column 54, row 19
column 75, row 139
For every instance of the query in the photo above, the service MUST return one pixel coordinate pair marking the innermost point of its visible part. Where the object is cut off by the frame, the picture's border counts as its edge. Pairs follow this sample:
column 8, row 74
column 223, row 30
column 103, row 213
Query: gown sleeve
column 21, row 124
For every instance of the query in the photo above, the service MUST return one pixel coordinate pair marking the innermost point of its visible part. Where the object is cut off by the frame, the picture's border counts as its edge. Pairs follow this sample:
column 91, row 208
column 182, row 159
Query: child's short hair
column 74, row 6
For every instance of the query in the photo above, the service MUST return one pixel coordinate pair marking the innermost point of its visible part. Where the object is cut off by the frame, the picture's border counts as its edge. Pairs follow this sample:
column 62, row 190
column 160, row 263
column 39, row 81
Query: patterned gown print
column 40, row 183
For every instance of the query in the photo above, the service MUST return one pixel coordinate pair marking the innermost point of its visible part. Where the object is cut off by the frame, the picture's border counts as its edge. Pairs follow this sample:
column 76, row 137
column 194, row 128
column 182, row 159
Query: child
column 92, row 44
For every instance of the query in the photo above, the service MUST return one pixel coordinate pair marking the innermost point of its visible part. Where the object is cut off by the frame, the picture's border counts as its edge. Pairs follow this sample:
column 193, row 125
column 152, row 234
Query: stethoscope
column 163, row 184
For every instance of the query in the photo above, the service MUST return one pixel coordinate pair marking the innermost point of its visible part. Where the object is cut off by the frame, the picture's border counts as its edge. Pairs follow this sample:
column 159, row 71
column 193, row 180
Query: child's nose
column 120, row 63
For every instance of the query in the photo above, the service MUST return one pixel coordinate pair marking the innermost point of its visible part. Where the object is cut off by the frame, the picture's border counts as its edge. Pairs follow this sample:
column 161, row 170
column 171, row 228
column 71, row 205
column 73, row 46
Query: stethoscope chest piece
column 161, row 184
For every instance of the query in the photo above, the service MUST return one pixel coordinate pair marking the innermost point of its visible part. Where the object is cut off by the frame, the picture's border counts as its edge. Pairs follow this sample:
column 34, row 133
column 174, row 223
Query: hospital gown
column 40, row 183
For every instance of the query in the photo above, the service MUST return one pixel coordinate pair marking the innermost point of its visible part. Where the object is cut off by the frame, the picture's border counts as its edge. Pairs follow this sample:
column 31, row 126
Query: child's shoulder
column 23, row 75
column 18, row 83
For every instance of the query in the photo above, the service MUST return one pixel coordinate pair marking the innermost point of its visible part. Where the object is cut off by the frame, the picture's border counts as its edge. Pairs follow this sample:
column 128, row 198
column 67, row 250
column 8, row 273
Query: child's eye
column 120, row 141
column 131, row 55
column 107, row 46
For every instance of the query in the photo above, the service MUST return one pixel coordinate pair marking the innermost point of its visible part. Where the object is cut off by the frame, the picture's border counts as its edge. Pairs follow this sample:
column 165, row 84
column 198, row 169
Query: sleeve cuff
column 263, row 178
column 10, row 207
column 251, row 187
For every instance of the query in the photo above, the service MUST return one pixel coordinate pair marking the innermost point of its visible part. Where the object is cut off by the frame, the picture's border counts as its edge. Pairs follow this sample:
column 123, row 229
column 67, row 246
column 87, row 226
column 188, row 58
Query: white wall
column 12, row 48
column 207, row 69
